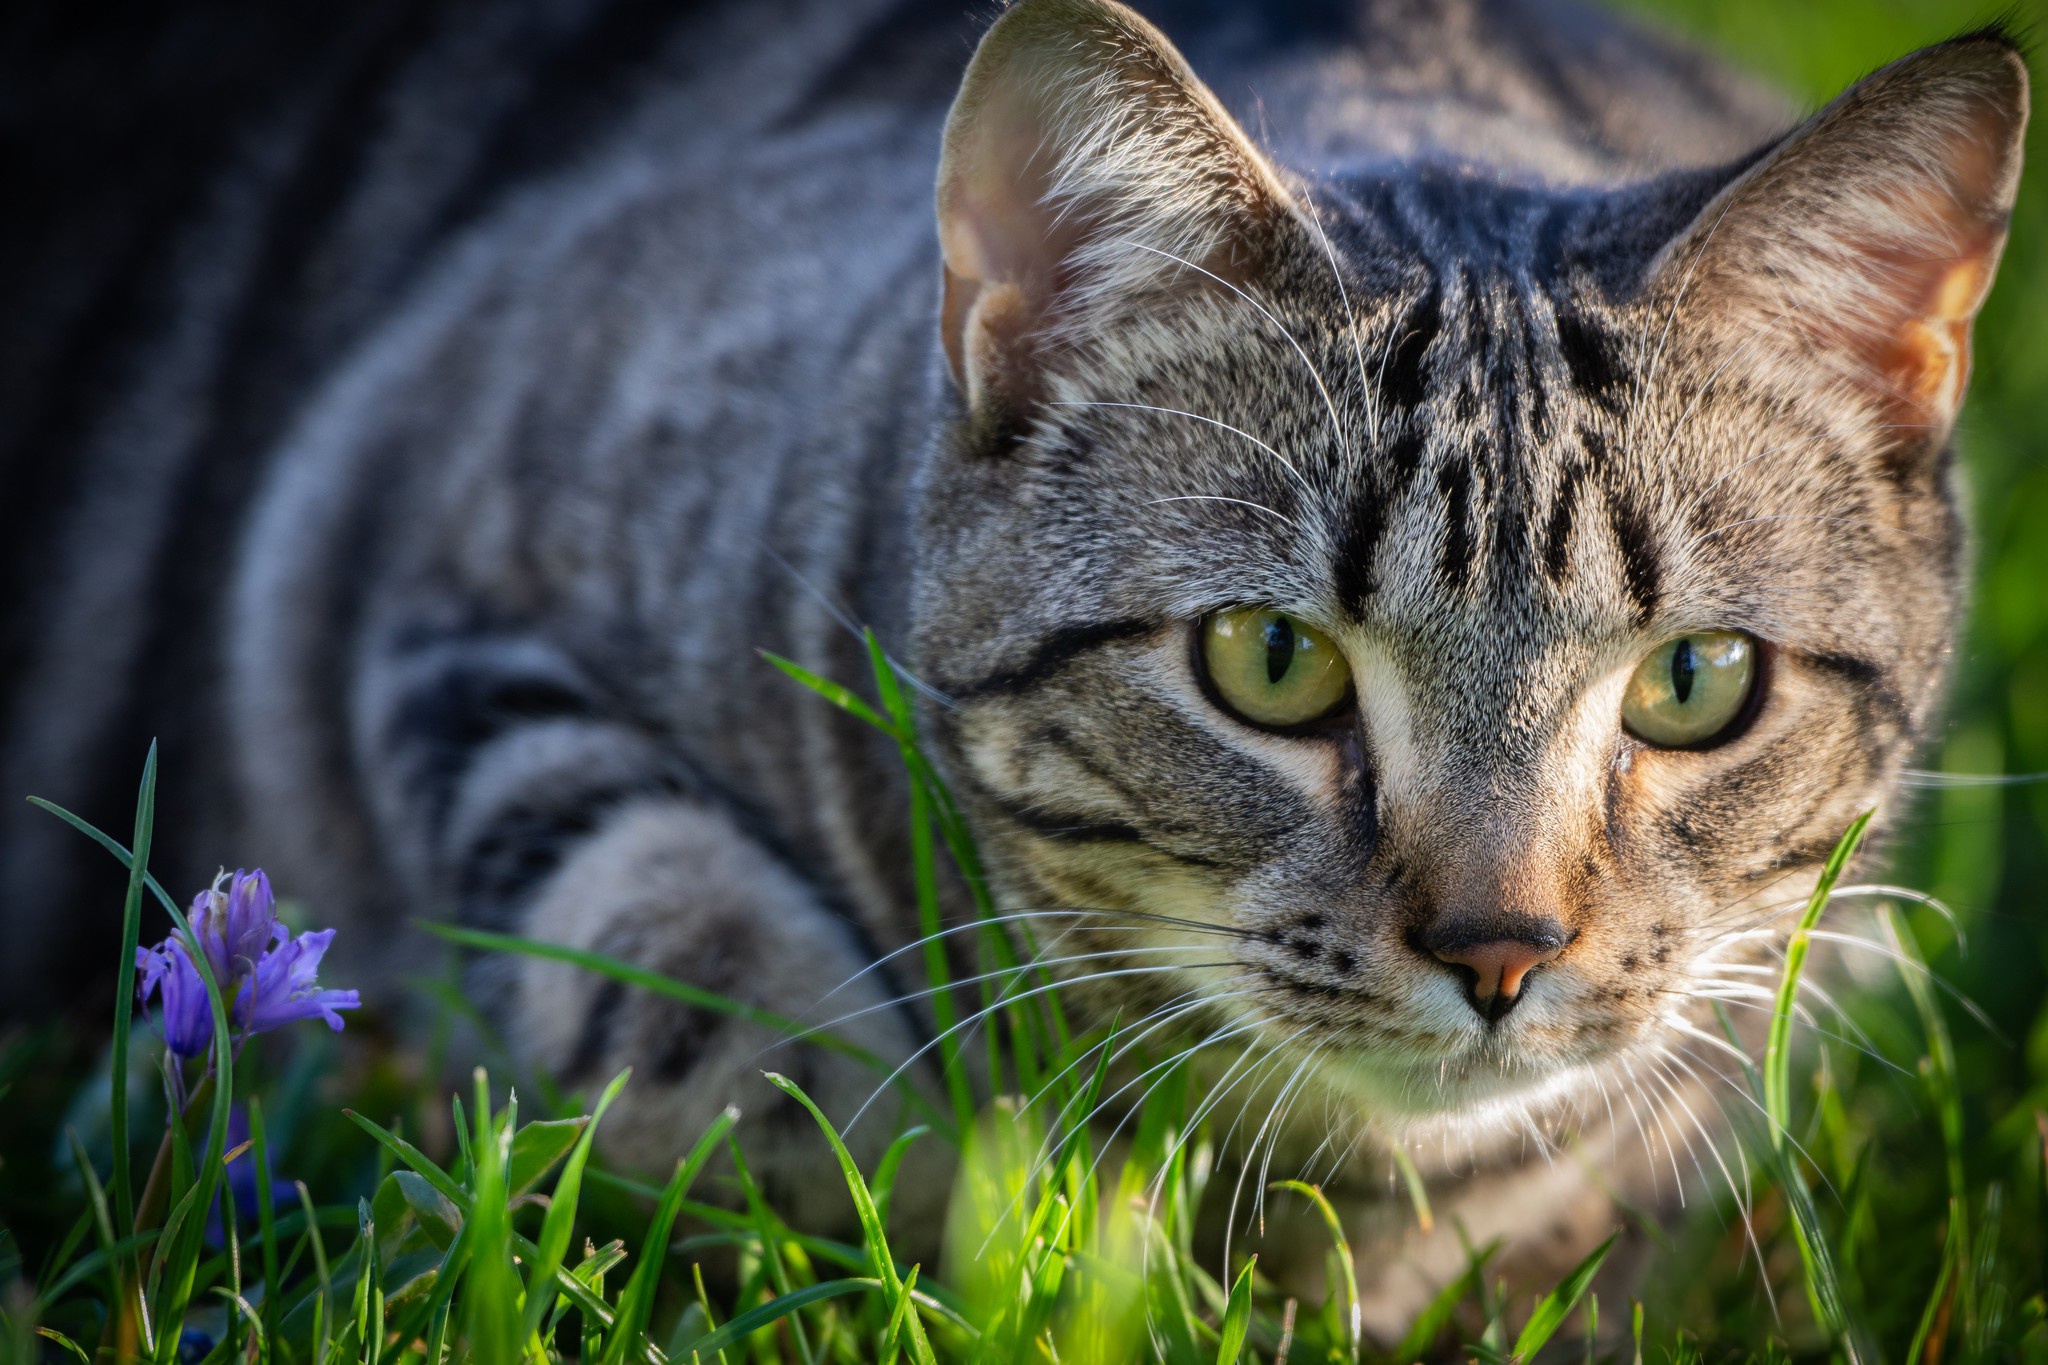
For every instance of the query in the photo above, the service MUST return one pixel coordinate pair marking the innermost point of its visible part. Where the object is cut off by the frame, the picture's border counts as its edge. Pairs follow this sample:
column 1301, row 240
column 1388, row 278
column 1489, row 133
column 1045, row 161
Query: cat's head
column 1464, row 614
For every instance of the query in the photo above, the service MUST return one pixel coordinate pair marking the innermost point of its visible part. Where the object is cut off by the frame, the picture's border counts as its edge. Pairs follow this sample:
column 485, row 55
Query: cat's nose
column 1494, row 958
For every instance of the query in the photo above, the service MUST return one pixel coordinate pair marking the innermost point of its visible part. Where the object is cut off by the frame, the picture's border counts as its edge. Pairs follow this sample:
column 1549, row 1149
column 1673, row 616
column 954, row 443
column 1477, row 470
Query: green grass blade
column 536, row 1148
column 1354, row 1328
column 1778, row 1049
column 1237, row 1317
column 879, row 1260
column 179, row 1248
column 84, row 1268
column 1939, row 1295
column 838, row 694
column 266, row 1216
column 124, row 993
column 636, row 1303
column 96, row 1194
column 884, row 1183
column 1430, row 1324
column 490, row 1291
column 754, row 1319
column 630, row 974
column 323, row 1279
column 560, row 1222
column 1823, row 1281
column 1556, row 1306
column 52, row 1334
column 414, row 1158
column 1944, row 1085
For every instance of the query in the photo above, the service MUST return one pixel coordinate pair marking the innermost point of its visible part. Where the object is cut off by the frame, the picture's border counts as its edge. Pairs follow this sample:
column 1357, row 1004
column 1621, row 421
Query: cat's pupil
column 1682, row 667
column 1279, row 649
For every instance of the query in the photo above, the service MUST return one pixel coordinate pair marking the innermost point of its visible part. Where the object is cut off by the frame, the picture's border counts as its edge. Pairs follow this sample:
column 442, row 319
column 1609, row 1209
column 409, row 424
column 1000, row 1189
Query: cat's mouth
column 1433, row 1055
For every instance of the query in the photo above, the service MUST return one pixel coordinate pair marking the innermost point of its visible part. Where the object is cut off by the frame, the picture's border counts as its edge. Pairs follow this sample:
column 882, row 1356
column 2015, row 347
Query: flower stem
column 124, row 1329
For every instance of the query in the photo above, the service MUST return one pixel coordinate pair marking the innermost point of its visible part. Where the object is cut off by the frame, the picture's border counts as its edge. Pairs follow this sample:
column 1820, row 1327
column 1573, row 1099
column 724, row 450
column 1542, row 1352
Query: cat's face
column 1446, row 626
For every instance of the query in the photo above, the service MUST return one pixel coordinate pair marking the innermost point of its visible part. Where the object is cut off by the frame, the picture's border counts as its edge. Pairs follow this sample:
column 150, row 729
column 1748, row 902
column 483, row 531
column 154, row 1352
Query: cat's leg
column 539, row 814
column 675, row 886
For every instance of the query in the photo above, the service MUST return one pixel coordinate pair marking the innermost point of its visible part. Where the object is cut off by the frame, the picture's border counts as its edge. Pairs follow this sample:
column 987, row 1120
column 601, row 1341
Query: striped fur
column 1514, row 343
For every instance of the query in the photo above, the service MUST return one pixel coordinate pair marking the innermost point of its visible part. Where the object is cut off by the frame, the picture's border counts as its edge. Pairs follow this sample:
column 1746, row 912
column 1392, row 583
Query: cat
column 1426, row 532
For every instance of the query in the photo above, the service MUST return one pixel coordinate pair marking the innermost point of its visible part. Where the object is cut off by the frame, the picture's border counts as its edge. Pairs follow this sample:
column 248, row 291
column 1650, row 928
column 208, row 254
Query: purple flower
column 285, row 988
column 236, row 927
column 267, row 976
column 186, row 1018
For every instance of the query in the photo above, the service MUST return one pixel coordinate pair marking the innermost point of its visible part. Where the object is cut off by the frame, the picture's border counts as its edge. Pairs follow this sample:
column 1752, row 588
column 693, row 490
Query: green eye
column 1690, row 690
column 1271, row 669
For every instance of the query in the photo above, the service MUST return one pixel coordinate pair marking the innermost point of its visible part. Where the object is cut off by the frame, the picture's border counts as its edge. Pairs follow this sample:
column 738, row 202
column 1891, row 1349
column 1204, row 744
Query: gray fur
column 1447, row 358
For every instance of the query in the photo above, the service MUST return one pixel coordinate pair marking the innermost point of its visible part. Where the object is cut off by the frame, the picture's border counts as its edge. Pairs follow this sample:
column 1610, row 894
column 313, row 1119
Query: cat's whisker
column 1220, row 1091
column 1864, row 522
column 1745, row 1198
column 1660, row 1096
column 1218, row 497
column 1014, row 971
column 1274, row 1059
column 1908, row 962
column 1049, row 1148
column 1174, row 1010
column 1628, row 1094
column 1007, row 1001
column 1860, row 1042
column 1283, row 461
column 1315, row 374
column 1277, row 1118
column 1922, row 777
column 1372, row 397
column 1146, row 918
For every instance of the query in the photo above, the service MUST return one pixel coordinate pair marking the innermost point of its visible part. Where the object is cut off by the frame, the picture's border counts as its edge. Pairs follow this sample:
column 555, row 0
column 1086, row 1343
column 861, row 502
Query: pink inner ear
column 1921, row 352
column 1078, row 131
column 1003, row 244
column 1924, row 363
column 1864, row 244
column 1005, row 251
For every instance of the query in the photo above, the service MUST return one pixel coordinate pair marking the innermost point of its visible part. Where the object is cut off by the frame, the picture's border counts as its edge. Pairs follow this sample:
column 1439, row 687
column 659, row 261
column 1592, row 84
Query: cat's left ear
column 1086, row 170
column 1857, row 251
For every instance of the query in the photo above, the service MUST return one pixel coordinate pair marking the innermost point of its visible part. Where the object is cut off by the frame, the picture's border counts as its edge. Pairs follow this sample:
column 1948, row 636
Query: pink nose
column 1494, row 949
column 1499, row 967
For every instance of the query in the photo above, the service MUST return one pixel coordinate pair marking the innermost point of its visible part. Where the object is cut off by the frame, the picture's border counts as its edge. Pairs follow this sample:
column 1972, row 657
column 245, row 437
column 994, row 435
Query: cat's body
column 446, row 594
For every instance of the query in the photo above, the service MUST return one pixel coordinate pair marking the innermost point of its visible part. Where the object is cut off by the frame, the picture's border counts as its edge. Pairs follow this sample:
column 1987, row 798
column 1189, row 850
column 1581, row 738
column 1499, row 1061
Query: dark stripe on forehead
column 1048, row 656
column 1637, row 541
column 1405, row 384
column 1454, row 486
column 1593, row 357
column 1358, row 541
column 1557, row 547
column 1358, row 546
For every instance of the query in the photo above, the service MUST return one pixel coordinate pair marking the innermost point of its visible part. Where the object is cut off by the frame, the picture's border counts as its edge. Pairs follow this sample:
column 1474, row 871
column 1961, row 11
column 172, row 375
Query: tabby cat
column 1428, row 537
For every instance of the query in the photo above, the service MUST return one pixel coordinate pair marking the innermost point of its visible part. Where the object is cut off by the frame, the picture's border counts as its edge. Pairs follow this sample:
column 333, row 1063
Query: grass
column 1060, row 1247
column 1886, row 1200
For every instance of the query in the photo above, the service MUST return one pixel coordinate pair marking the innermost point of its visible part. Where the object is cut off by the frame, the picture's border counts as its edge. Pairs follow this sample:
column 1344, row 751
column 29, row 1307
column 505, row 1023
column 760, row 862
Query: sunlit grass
column 1059, row 1246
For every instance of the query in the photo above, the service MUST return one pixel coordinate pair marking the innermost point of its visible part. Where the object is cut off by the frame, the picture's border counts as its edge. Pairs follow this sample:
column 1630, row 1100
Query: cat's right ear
column 1855, row 253
column 1085, row 170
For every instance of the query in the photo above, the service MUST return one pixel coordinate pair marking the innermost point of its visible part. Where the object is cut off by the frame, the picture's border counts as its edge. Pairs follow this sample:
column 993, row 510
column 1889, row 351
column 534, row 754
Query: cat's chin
column 1484, row 1087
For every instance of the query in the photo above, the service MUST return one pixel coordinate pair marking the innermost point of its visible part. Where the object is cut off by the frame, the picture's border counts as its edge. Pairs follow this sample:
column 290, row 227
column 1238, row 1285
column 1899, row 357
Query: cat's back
column 623, row 308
